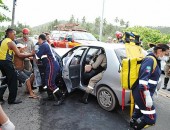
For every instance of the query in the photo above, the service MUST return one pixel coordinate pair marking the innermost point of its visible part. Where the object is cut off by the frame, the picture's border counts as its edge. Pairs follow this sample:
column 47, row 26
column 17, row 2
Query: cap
column 25, row 31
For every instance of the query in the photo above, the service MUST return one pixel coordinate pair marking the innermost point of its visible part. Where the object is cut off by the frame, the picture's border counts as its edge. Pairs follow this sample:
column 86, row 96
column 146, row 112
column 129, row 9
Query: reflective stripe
column 143, row 82
column 43, row 56
column 136, row 106
column 148, row 112
column 56, row 90
column 90, row 87
column 152, row 81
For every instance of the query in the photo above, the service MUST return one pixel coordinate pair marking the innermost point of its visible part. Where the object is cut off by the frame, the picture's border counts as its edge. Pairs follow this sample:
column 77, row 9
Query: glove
column 8, row 125
column 148, row 99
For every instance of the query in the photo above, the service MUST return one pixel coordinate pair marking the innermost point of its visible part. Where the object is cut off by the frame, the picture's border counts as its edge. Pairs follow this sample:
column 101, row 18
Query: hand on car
column 88, row 68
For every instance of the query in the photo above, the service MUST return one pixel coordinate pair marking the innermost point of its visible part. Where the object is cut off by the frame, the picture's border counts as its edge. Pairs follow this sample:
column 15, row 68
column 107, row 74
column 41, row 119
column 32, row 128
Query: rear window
column 121, row 54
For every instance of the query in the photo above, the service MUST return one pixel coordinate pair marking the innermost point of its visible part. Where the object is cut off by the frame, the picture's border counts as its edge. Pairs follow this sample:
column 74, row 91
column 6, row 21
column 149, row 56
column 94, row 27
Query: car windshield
column 84, row 36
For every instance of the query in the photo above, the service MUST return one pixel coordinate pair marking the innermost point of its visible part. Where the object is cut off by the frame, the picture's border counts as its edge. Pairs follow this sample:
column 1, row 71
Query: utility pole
column 13, row 13
column 101, row 22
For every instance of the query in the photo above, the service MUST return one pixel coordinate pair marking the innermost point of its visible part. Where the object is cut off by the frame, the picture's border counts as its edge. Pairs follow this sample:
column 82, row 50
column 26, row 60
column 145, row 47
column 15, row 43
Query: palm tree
column 122, row 22
column 127, row 24
column 116, row 20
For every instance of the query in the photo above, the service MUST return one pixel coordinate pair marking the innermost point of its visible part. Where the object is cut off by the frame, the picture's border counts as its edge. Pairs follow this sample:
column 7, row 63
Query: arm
column 3, row 116
column 41, row 50
column 146, row 70
column 13, row 47
column 144, row 76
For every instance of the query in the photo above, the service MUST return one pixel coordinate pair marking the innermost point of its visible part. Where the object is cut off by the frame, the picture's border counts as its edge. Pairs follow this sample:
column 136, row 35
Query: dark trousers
column 52, row 70
column 8, row 70
column 148, row 115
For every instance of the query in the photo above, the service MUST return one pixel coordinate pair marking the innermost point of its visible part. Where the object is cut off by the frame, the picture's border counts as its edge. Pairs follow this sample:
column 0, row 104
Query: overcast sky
column 137, row 12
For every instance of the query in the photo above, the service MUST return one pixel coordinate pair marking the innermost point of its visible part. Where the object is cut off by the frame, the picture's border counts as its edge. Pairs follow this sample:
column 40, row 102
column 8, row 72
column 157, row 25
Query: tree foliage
column 3, row 17
column 149, row 35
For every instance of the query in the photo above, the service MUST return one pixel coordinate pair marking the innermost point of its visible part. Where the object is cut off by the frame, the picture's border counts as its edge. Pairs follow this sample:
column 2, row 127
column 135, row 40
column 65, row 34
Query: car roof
column 106, row 45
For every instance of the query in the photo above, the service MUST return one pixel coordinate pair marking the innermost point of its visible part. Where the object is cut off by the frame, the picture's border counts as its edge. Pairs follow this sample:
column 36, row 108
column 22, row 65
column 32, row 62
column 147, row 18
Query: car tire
column 106, row 98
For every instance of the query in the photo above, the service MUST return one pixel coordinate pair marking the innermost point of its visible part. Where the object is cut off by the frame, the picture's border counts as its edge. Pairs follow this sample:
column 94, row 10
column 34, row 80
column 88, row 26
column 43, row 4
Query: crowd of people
column 19, row 56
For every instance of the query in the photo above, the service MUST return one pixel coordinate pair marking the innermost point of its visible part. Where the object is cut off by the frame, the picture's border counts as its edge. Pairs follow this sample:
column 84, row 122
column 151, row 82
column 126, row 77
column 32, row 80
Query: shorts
column 23, row 75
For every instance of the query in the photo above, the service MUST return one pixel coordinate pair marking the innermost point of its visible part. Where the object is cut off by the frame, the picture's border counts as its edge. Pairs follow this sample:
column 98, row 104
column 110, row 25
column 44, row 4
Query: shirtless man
column 23, row 75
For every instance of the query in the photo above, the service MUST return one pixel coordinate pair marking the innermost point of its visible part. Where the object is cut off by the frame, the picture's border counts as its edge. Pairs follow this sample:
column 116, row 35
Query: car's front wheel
column 106, row 98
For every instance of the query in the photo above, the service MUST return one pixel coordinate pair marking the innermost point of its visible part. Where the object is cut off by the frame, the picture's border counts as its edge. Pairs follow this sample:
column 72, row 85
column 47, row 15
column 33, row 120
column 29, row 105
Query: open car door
column 72, row 67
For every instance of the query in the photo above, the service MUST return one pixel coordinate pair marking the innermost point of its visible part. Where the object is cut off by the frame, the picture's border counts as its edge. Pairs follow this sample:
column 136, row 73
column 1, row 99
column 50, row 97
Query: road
column 35, row 114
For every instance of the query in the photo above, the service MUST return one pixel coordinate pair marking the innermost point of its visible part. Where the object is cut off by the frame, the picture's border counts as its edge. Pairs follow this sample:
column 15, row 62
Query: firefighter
column 51, row 68
column 119, row 37
column 144, row 113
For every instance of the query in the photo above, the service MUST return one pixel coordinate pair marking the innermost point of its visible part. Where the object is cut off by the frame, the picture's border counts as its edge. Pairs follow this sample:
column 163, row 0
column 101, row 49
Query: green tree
column 116, row 20
column 83, row 20
column 18, row 28
column 122, row 22
column 104, row 22
column 3, row 17
column 97, row 25
column 149, row 35
column 77, row 21
column 72, row 20
column 127, row 24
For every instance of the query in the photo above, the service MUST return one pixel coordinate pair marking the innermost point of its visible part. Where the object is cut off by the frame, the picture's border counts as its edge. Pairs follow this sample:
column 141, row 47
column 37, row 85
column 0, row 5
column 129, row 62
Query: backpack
column 130, row 71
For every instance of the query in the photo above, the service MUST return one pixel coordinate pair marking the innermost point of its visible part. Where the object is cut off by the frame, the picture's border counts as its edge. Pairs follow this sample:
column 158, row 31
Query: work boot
column 165, row 82
column 59, row 97
column 84, row 99
column 138, row 124
column 132, row 122
column 50, row 96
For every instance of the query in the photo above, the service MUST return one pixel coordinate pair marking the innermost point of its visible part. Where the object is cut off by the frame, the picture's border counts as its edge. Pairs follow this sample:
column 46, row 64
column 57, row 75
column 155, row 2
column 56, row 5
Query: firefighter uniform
column 52, row 65
column 148, row 80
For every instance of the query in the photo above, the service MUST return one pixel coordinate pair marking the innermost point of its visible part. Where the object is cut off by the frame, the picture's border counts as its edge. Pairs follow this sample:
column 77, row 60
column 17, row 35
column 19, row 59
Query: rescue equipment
column 130, row 71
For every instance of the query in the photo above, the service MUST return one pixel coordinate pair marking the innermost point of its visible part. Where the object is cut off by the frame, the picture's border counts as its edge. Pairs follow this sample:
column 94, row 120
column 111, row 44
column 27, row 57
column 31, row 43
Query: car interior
column 92, row 53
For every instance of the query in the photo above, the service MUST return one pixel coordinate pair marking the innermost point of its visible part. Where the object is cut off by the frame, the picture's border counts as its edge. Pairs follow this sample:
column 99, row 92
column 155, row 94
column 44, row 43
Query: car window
column 77, row 57
column 121, row 54
column 84, row 36
column 91, row 54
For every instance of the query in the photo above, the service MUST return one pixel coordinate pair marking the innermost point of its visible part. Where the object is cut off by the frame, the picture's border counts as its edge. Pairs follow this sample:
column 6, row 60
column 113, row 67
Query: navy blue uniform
column 51, row 65
column 148, row 80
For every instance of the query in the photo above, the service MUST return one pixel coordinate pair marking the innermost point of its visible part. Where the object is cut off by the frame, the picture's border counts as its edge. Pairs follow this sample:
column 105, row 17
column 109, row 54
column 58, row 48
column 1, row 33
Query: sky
column 137, row 12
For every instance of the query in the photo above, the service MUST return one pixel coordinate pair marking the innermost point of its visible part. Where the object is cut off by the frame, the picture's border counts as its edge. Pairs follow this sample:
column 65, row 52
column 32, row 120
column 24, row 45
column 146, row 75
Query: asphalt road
column 35, row 114
column 73, row 115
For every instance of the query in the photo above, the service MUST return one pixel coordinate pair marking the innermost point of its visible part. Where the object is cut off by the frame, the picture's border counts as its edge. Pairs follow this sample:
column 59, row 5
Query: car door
column 72, row 68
